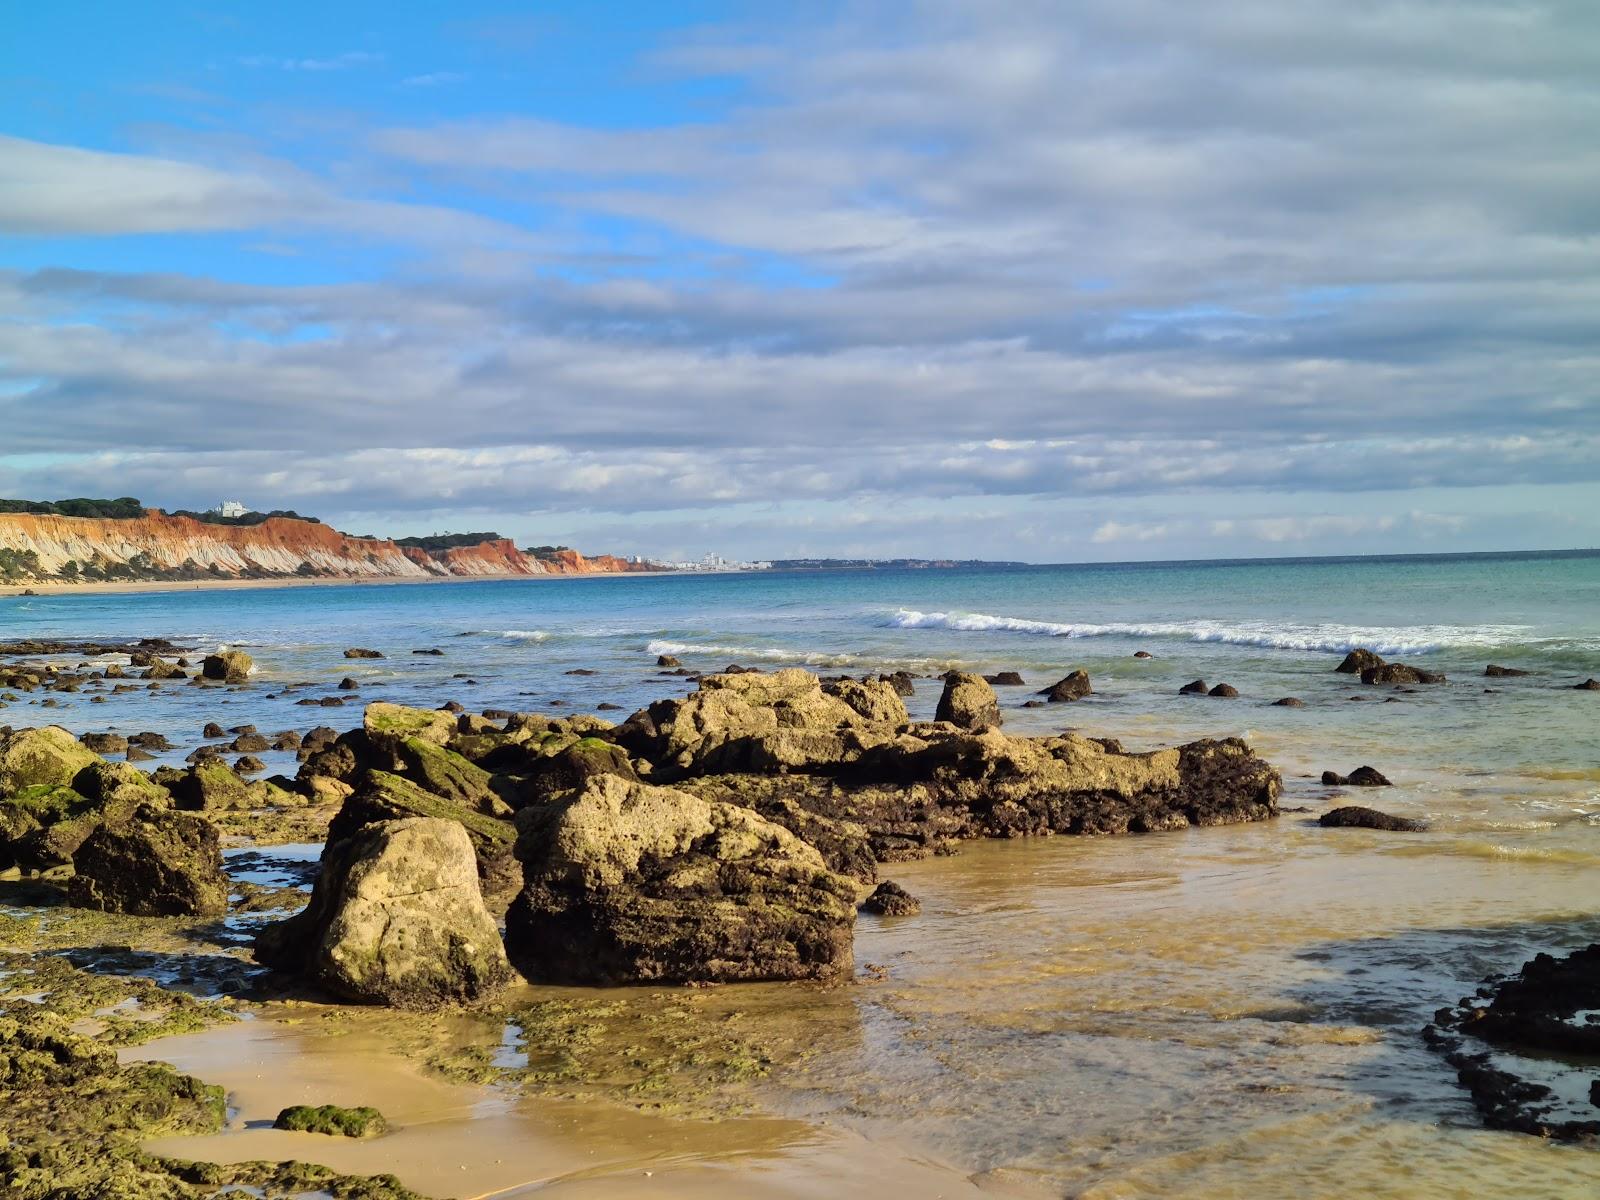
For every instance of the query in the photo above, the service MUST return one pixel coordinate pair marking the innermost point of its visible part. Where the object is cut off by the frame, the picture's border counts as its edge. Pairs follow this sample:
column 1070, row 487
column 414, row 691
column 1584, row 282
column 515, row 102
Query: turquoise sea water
column 1208, row 1013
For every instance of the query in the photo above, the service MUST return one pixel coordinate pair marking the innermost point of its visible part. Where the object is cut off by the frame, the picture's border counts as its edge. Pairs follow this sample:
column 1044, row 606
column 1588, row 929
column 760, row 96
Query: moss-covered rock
column 32, row 758
column 363, row 1122
column 447, row 774
column 390, row 725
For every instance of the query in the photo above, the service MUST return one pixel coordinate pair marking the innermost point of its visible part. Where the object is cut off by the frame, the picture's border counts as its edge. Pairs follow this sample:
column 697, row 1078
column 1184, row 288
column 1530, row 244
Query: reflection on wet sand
column 1209, row 1013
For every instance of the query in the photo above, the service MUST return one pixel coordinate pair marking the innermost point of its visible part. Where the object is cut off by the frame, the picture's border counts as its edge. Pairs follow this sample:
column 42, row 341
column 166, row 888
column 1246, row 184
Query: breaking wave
column 764, row 653
column 1333, row 638
column 525, row 635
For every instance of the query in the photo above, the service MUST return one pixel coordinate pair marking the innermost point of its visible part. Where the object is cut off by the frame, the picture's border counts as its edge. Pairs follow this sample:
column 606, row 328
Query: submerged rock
column 395, row 918
column 1074, row 687
column 968, row 702
column 1358, row 660
column 1399, row 673
column 1588, row 685
column 1224, row 691
column 1196, row 688
column 155, row 863
column 360, row 652
column 1360, row 777
column 1353, row 816
column 1289, row 702
column 1005, row 679
column 889, row 899
column 630, row 883
column 1494, row 672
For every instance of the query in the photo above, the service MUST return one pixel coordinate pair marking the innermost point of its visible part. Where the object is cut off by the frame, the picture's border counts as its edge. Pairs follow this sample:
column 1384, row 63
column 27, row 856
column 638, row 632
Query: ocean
column 1217, row 1012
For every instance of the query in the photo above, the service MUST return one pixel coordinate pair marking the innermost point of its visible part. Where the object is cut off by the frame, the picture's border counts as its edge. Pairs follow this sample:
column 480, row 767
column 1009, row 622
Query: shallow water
column 1213, row 1013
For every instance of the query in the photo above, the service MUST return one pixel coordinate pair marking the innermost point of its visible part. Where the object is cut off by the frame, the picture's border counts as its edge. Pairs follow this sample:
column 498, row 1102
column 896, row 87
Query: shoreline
column 52, row 588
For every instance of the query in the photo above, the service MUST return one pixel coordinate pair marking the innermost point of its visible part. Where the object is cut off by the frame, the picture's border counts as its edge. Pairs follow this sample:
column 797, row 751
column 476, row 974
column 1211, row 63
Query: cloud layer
column 1205, row 258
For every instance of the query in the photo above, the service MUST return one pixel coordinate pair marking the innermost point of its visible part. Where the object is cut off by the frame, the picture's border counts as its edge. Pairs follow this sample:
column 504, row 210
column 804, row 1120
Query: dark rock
column 348, row 685
column 249, row 743
column 155, row 863
column 1533, row 1014
column 1355, row 817
column 138, row 754
column 1367, row 777
column 1588, row 685
column 889, row 899
column 902, row 682
column 1357, row 661
column 1143, row 654
column 628, row 883
column 607, row 706
column 249, row 765
column 1224, row 691
column 105, row 743
column 1399, row 673
column 1289, row 702
column 1495, row 672
column 358, row 652
column 580, row 671
column 667, row 660
column 288, row 740
column 1073, row 687
column 151, row 741
column 1005, row 679
column 431, row 652
column 213, row 730
column 1197, row 688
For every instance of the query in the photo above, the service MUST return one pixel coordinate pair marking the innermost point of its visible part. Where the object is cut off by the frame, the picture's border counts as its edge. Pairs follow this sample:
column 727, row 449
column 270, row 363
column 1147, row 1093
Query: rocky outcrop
column 631, row 883
column 1536, row 1014
column 155, row 863
column 47, row 757
column 395, row 918
column 968, row 702
column 889, row 899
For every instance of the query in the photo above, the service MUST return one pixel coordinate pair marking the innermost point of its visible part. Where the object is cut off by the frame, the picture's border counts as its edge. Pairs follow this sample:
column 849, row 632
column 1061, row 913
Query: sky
column 1069, row 281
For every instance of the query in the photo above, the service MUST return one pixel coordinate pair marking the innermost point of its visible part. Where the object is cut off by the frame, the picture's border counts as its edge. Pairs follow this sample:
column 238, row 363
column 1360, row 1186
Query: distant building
column 230, row 508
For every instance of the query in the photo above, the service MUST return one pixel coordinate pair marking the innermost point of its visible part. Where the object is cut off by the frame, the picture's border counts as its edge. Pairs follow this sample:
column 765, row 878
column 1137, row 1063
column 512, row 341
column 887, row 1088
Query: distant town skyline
column 1082, row 281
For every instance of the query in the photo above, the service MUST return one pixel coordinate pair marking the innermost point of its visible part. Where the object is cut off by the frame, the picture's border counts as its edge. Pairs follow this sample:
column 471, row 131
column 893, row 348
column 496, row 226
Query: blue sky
column 1054, row 281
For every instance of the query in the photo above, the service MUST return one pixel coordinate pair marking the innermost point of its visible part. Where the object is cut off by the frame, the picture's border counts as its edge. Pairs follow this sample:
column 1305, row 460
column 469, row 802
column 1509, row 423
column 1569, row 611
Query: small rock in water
column 1289, row 702
column 1353, row 816
column 331, row 1119
column 1360, row 777
column 1225, row 691
column 1502, row 672
column 889, row 899
column 1143, row 654
column 358, row 652
column 1358, row 660
column 1399, row 673
column 348, row 685
column 431, row 652
column 1004, row 679
column 1074, row 686
column 1197, row 688
column 1588, row 685
column 667, row 660
column 968, row 702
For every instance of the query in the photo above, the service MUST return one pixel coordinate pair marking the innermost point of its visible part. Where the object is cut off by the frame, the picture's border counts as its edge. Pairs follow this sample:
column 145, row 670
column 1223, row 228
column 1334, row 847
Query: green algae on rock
column 330, row 1119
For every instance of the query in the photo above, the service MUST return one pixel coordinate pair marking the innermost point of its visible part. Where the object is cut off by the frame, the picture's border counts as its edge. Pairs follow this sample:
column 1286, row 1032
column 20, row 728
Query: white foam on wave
column 816, row 658
column 1268, row 635
column 524, row 635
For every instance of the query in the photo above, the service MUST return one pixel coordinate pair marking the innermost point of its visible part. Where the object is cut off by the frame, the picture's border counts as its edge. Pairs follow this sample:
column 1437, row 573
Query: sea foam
column 1268, row 635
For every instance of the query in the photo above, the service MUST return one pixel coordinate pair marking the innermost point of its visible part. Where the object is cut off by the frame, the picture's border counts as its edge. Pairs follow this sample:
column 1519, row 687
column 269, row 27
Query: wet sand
column 126, row 587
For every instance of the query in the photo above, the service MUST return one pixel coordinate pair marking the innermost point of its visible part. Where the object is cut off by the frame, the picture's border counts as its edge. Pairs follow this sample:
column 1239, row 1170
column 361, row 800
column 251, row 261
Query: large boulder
column 755, row 721
column 446, row 773
column 381, row 796
column 395, row 918
column 875, row 700
column 230, row 666
column 155, row 863
column 968, row 702
column 40, row 757
column 632, row 883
